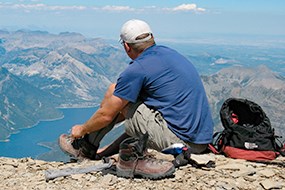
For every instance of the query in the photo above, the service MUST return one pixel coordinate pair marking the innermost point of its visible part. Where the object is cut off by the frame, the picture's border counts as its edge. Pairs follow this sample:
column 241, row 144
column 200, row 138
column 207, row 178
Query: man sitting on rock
column 160, row 93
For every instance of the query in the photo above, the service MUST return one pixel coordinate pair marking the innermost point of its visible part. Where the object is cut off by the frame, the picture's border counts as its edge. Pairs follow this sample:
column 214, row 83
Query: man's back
column 166, row 81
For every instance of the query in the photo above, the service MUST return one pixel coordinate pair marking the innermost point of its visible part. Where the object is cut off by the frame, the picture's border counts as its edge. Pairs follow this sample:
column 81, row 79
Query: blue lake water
column 26, row 142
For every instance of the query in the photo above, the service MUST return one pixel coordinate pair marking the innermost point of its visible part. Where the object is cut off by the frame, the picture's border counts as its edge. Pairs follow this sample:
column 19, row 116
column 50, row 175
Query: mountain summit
column 228, row 174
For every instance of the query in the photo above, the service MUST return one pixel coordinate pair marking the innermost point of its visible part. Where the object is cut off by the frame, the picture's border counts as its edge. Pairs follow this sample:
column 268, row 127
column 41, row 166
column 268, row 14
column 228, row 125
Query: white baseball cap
column 134, row 28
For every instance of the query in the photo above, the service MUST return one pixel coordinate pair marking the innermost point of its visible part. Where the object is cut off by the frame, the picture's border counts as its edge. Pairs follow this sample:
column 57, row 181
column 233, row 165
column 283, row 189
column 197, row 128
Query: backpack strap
column 282, row 151
column 214, row 146
column 197, row 161
column 280, row 146
column 219, row 140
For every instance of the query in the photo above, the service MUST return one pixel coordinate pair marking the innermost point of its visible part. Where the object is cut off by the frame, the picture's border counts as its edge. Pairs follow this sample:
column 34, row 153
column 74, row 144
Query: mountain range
column 74, row 69
column 40, row 72
column 23, row 105
column 260, row 85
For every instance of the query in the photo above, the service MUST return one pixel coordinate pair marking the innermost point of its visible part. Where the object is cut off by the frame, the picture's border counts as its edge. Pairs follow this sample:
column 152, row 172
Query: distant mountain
column 22, row 105
column 42, row 71
column 75, row 69
column 259, row 85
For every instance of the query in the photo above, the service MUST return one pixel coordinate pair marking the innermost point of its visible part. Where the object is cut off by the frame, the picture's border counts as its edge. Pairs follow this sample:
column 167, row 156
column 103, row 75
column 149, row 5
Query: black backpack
column 247, row 132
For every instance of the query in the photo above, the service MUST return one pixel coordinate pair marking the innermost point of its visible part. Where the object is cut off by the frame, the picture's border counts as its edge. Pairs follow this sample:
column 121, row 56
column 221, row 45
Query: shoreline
column 78, row 107
column 7, row 139
column 28, row 127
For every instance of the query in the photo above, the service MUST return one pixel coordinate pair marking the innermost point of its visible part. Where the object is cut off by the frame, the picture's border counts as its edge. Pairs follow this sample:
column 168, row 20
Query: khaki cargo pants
column 141, row 119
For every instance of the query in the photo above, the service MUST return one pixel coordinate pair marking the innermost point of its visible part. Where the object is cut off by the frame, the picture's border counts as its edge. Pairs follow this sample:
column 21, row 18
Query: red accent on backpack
column 234, row 118
column 251, row 155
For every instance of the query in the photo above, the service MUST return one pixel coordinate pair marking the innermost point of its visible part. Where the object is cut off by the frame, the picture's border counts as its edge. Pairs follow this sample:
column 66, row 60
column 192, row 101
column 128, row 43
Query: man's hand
column 78, row 131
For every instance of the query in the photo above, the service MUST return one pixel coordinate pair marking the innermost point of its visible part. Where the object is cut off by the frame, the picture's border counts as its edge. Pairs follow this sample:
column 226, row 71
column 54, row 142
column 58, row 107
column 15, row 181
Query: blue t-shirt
column 166, row 81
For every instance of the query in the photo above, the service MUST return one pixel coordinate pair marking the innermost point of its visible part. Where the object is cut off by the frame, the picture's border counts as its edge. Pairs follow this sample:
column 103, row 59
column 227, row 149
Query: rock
column 267, row 172
column 108, row 180
column 229, row 174
column 202, row 158
column 270, row 184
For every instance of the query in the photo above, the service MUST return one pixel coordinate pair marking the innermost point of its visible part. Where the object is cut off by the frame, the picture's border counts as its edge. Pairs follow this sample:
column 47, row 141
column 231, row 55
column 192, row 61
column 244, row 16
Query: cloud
column 39, row 6
column 67, row 8
column 187, row 7
column 117, row 8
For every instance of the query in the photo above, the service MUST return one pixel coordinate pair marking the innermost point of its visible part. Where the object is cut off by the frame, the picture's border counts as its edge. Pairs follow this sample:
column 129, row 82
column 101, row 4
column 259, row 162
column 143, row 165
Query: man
column 160, row 92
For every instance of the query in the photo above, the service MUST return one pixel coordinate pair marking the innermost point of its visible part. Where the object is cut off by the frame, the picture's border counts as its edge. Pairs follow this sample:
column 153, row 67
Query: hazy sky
column 167, row 18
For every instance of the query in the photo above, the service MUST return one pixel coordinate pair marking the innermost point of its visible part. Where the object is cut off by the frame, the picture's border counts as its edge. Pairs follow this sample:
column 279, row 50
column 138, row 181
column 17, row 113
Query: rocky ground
column 229, row 174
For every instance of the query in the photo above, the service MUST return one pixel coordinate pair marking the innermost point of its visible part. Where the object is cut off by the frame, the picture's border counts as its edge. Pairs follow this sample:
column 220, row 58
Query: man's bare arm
column 110, row 107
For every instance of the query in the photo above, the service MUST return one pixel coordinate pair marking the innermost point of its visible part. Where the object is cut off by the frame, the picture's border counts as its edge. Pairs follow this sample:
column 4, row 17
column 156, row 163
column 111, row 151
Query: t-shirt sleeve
column 129, row 83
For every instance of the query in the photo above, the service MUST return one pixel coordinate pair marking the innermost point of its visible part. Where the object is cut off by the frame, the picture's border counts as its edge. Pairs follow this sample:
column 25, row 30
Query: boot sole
column 130, row 174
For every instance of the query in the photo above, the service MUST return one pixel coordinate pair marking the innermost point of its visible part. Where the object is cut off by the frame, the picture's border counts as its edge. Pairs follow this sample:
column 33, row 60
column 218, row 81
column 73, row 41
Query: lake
column 27, row 142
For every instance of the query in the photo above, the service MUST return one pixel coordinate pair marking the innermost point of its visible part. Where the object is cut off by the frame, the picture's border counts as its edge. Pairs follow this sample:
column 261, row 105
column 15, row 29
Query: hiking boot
column 87, row 146
column 65, row 143
column 134, row 162
column 77, row 148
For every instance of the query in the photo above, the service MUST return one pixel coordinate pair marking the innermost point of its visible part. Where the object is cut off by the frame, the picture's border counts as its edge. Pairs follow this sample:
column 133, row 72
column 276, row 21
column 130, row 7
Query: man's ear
column 128, row 48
